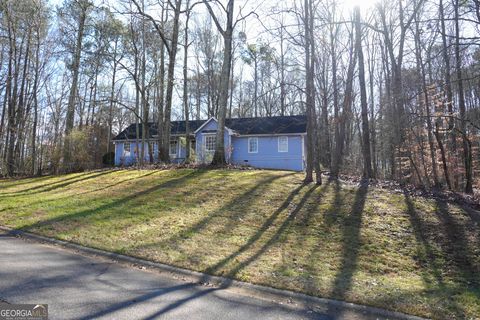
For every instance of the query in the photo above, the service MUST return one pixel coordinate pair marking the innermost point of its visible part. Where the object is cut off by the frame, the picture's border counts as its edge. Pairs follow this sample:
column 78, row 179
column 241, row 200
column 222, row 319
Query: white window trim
column 170, row 149
column 125, row 152
column 282, row 137
column 205, row 141
column 248, row 146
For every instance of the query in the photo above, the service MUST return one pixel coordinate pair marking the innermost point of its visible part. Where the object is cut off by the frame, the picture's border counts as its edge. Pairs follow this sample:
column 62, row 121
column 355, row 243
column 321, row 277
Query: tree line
column 390, row 91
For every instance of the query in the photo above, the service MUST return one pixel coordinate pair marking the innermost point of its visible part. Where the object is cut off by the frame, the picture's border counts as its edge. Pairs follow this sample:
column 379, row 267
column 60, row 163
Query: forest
column 390, row 88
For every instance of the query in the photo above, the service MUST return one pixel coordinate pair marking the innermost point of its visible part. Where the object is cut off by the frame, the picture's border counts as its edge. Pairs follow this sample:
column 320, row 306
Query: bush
column 108, row 159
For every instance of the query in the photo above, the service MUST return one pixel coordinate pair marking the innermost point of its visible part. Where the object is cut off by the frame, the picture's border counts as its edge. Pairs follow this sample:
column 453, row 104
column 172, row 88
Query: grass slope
column 358, row 244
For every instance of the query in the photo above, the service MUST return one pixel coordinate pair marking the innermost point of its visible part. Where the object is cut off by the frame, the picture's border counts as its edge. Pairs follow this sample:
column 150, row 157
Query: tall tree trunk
column 4, row 108
column 70, row 117
column 171, row 46
column 336, row 112
column 316, row 144
column 448, row 90
column 232, row 75
column 310, row 98
column 346, row 113
column 2, row 124
column 323, row 127
column 373, row 135
column 227, row 34
column 283, row 93
column 139, row 158
column 367, row 159
column 442, row 153
column 112, row 95
column 22, row 113
column 185, row 86
column 164, row 154
column 198, row 94
column 35, row 104
column 161, row 89
column 421, row 71
column 446, row 60
column 143, row 89
column 11, row 130
column 255, row 83
column 398, row 117
column 467, row 156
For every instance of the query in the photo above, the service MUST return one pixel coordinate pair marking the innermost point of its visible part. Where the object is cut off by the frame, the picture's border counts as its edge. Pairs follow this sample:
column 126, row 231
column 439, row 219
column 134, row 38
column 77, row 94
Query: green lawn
column 363, row 245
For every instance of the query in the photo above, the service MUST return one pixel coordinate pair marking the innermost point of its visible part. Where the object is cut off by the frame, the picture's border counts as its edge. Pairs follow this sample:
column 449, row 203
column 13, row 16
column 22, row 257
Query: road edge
column 279, row 295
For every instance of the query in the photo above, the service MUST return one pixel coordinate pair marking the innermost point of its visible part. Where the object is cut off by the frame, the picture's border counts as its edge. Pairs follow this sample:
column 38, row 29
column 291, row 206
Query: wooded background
column 391, row 90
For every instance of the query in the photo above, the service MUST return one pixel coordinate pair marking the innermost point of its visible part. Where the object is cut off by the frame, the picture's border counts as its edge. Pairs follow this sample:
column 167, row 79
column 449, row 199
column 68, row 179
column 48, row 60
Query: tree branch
column 155, row 24
column 214, row 17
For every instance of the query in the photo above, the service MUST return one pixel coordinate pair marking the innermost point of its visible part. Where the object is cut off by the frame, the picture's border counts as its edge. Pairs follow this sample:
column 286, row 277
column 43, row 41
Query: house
column 270, row 142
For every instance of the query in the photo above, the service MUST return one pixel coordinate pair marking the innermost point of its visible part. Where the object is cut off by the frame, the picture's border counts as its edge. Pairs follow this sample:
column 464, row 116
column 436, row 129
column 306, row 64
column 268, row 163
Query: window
column 152, row 146
column 282, row 144
column 210, row 142
column 126, row 149
column 252, row 145
column 173, row 147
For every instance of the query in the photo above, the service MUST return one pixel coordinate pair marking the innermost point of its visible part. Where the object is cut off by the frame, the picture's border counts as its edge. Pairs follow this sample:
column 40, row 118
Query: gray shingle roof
column 242, row 126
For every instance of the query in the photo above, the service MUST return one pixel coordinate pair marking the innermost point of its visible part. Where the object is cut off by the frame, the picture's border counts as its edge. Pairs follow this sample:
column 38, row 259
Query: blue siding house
column 269, row 143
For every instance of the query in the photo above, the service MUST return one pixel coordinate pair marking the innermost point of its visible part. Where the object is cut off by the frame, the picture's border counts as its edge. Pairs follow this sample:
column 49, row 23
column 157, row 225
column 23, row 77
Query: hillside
column 355, row 243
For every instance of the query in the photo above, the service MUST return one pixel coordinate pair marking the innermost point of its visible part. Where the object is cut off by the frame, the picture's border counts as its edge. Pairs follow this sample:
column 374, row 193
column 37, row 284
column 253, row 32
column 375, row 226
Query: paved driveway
column 80, row 287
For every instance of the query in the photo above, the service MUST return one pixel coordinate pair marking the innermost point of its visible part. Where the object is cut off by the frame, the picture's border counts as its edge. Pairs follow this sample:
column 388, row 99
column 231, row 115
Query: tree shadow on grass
column 314, row 202
column 332, row 214
column 43, row 202
column 457, row 245
column 6, row 183
column 304, row 224
column 475, row 221
column 202, row 224
column 431, row 261
column 250, row 243
column 57, row 179
column 272, row 240
column 64, row 219
column 112, row 185
column 241, row 265
column 236, row 205
column 472, row 213
column 252, row 240
column 351, row 243
column 54, row 186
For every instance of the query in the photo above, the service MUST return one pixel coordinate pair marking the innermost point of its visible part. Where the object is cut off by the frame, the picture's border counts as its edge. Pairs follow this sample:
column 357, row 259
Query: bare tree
column 79, row 11
column 367, row 158
column 467, row 154
column 171, row 46
column 227, row 34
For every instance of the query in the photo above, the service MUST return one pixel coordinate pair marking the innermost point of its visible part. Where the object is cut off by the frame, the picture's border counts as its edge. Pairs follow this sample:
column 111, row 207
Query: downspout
column 229, row 160
column 303, row 152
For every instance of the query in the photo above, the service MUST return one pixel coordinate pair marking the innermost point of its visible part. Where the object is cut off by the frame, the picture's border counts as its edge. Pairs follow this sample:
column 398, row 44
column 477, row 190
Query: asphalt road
column 80, row 287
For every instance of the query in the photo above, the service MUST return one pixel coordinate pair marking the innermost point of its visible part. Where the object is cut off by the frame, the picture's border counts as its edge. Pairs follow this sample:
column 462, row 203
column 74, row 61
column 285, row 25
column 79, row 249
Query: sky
column 255, row 27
